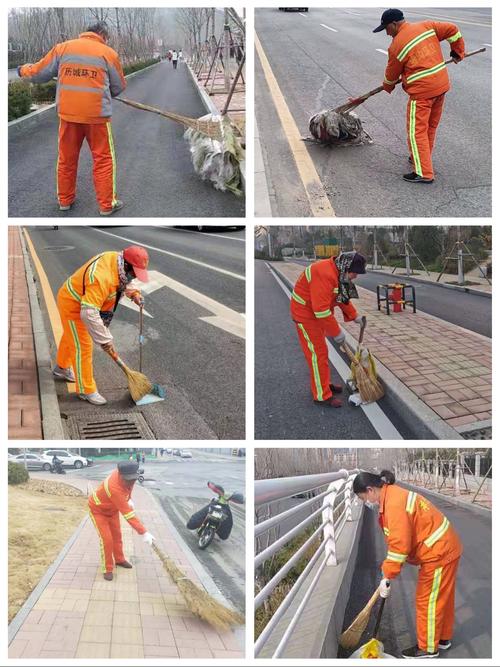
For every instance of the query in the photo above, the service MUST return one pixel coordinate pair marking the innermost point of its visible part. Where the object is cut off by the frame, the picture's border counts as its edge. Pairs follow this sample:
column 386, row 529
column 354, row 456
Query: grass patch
column 42, row 517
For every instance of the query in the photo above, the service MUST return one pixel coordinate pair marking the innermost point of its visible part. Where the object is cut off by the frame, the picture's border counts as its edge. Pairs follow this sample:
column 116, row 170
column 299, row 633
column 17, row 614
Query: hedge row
column 23, row 95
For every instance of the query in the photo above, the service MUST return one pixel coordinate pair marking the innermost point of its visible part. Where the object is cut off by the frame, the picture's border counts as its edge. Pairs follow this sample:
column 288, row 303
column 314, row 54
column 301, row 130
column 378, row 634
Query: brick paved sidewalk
column 445, row 366
column 25, row 420
column 140, row 614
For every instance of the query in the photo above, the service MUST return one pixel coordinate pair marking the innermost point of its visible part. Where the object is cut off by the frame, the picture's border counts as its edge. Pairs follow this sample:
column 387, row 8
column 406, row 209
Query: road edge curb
column 20, row 617
column 206, row 580
column 52, row 427
column 32, row 119
column 485, row 511
column 457, row 288
column 262, row 202
column 402, row 400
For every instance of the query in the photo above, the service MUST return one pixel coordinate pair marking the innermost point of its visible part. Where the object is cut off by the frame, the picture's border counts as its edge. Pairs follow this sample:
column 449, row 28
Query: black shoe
column 125, row 564
column 336, row 388
column 108, row 576
column 415, row 652
column 412, row 177
column 444, row 644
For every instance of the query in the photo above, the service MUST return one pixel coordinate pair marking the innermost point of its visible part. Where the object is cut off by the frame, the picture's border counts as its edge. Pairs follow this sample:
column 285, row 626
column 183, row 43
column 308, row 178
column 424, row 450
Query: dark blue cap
column 389, row 16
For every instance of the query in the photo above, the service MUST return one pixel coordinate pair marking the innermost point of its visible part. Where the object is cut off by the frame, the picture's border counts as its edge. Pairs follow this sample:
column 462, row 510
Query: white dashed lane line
column 328, row 27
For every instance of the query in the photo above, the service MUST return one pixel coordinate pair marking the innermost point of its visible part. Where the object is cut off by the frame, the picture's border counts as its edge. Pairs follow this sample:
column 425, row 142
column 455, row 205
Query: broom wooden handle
column 362, row 98
column 166, row 114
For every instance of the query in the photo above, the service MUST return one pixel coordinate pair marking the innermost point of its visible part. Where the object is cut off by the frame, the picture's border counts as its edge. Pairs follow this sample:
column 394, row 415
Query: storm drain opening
column 112, row 426
column 478, row 434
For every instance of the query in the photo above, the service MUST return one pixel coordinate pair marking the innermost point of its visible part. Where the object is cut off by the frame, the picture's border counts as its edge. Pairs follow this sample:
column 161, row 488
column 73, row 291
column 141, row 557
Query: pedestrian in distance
column 169, row 55
column 143, row 457
column 138, row 457
column 175, row 58
column 87, row 302
column 112, row 498
column 415, row 56
column 180, row 55
column 416, row 532
column 320, row 288
column 89, row 74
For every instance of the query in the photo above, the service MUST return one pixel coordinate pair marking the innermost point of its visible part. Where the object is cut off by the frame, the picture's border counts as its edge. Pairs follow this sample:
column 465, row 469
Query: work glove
column 339, row 339
column 109, row 348
column 359, row 319
column 384, row 588
column 456, row 57
column 148, row 538
column 131, row 504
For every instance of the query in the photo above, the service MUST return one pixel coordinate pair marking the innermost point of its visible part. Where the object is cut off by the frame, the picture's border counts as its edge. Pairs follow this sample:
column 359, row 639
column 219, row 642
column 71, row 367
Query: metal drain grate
column 478, row 434
column 111, row 426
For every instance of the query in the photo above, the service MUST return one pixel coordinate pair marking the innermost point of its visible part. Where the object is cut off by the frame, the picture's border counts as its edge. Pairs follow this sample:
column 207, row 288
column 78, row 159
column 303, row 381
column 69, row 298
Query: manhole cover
column 478, row 434
column 59, row 248
column 111, row 426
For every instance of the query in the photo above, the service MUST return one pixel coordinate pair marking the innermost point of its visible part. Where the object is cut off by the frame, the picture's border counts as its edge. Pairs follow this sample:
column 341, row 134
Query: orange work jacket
column 95, row 284
column 415, row 531
column 112, row 496
column 415, row 55
column 89, row 74
column 315, row 296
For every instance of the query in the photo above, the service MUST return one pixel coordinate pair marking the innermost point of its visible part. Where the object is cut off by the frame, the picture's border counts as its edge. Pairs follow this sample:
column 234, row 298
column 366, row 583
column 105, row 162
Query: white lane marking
column 347, row 11
column 195, row 231
column 376, row 416
column 452, row 18
column 174, row 254
column 382, row 51
column 328, row 27
column 222, row 317
column 490, row 45
column 304, row 15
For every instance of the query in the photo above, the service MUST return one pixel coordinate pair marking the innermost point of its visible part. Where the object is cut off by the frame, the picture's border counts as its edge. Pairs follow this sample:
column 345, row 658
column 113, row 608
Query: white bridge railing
column 327, row 503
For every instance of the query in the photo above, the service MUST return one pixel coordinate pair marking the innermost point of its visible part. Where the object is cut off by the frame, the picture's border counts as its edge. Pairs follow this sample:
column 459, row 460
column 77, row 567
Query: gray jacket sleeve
column 92, row 320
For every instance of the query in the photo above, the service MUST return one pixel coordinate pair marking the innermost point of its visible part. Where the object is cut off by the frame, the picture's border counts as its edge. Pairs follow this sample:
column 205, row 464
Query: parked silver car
column 33, row 461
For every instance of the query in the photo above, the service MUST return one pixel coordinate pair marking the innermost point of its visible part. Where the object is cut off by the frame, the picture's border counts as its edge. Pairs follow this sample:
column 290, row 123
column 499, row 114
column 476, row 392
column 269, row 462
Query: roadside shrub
column 44, row 92
column 19, row 99
column 17, row 473
column 140, row 64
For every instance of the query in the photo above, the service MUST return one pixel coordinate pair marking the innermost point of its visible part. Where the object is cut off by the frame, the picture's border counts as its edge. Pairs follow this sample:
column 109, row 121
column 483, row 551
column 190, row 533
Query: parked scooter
column 216, row 517
column 57, row 466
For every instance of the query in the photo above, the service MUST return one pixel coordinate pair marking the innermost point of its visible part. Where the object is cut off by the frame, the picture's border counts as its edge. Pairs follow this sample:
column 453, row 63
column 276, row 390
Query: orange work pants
column 110, row 539
column 435, row 604
column 313, row 342
column 422, row 121
column 100, row 140
column 75, row 346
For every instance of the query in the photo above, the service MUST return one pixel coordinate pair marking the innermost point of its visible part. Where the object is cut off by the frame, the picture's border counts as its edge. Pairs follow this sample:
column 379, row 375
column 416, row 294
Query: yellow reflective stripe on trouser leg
column 314, row 361
column 78, row 350
column 431, row 611
column 101, row 543
column 113, row 158
column 57, row 161
column 413, row 137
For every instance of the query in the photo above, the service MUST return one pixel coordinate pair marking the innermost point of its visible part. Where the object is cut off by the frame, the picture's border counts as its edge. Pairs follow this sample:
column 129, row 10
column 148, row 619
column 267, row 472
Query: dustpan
column 158, row 393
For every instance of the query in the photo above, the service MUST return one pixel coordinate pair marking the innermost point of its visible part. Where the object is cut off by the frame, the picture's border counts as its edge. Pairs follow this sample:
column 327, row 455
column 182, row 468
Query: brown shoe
column 330, row 403
column 126, row 564
column 336, row 388
column 108, row 576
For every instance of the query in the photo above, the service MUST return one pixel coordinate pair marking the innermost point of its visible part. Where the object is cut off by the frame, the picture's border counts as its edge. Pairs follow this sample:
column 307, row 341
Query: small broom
column 198, row 601
column 352, row 636
column 138, row 384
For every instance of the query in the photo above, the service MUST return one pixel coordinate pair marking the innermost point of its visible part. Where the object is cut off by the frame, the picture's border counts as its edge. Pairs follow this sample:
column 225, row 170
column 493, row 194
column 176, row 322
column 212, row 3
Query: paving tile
column 96, row 634
column 127, row 651
column 92, row 650
column 195, row 652
column 121, row 620
column 160, row 652
column 122, row 635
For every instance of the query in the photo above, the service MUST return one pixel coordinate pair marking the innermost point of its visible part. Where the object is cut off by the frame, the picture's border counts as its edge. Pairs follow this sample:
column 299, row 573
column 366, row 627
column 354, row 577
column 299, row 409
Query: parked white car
column 68, row 460
column 186, row 454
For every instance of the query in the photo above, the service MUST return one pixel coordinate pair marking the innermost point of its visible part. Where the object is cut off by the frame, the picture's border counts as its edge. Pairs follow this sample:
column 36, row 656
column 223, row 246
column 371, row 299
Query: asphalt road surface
column 181, row 487
column 284, row 408
column 472, row 636
column 322, row 58
column 155, row 177
column 465, row 309
column 190, row 347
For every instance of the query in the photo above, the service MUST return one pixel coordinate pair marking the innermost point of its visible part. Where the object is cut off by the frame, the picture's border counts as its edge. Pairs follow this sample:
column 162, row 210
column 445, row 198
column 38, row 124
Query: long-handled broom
column 198, row 601
column 363, row 370
column 352, row 636
column 141, row 389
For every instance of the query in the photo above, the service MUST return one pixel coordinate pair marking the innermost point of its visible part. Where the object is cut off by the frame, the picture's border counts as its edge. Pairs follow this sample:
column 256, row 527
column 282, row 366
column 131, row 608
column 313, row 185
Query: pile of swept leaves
column 46, row 487
column 338, row 129
column 218, row 161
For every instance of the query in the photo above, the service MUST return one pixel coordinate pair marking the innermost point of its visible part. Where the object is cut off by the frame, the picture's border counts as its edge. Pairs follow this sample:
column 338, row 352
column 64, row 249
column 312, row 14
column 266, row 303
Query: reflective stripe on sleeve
column 323, row 313
column 437, row 534
column 389, row 82
column 71, row 290
column 106, row 487
column 454, row 37
column 298, row 298
column 129, row 515
column 416, row 40
column 308, row 274
column 395, row 557
column 410, row 502
column 96, row 499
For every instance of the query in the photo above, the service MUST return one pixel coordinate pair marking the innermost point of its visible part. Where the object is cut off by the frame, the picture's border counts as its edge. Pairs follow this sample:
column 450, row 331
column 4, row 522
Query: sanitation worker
column 89, row 74
column 417, row 533
column 415, row 55
column 112, row 498
column 86, row 303
column 320, row 288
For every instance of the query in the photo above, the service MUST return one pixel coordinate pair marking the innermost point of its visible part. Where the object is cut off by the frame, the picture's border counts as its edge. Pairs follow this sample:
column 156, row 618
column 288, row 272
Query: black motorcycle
column 216, row 517
column 57, row 467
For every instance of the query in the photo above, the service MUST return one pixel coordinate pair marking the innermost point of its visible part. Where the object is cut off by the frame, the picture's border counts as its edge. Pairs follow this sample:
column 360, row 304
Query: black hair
column 365, row 479
column 100, row 28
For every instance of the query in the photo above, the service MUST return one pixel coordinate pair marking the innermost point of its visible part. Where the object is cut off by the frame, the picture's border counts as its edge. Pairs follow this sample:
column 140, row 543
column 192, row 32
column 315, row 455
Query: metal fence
column 326, row 501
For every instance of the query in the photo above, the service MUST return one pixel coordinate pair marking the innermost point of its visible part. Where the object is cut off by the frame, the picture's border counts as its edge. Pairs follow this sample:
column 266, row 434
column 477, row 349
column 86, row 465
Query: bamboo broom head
column 198, row 601
column 368, row 386
column 352, row 636
column 138, row 384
